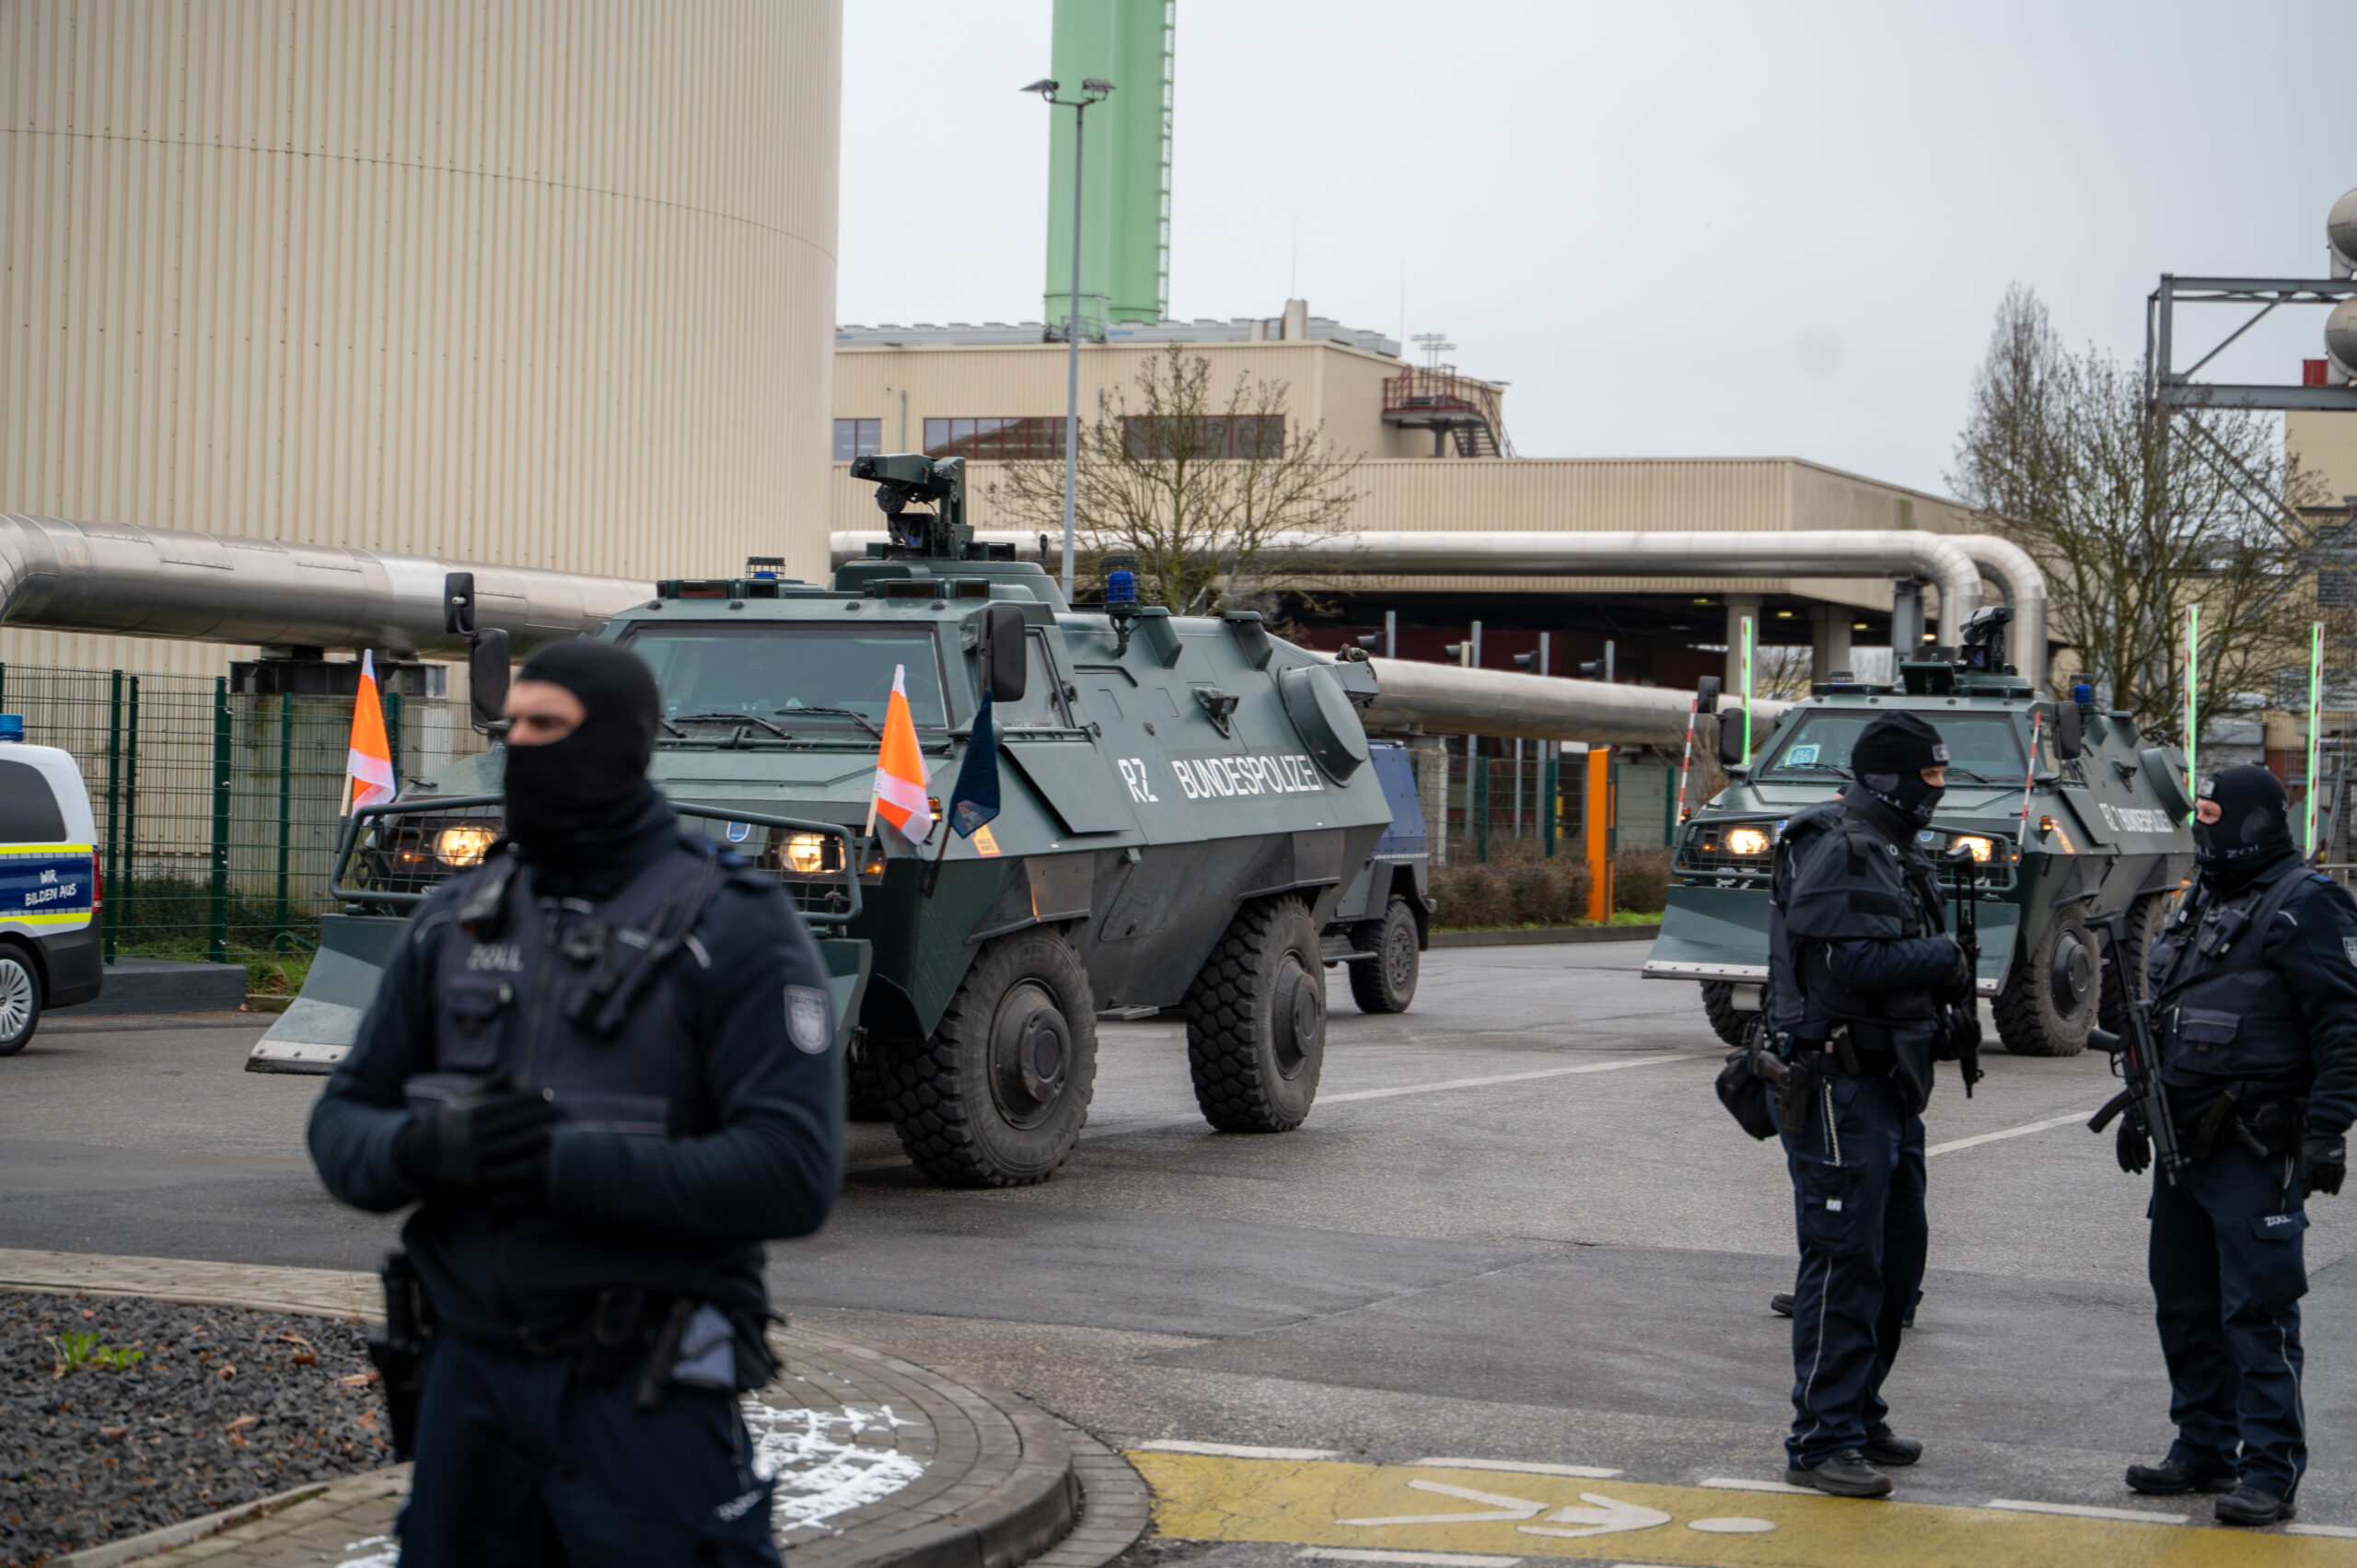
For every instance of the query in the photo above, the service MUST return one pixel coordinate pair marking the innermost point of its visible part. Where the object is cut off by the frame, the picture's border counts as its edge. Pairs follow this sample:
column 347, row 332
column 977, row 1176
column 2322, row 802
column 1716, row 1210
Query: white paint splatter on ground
column 377, row 1551
column 822, row 1468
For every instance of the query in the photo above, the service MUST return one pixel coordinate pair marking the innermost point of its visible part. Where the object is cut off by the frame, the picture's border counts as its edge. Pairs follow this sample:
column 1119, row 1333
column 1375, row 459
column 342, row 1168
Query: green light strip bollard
column 2316, row 724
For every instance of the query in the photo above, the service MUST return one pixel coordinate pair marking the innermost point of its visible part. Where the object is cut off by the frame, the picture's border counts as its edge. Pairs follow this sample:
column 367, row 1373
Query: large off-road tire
column 2145, row 918
column 1718, row 1006
column 20, row 998
column 866, row 1097
column 2055, row 990
column 1387, row 982
column 1256, row 1021
column 997, row 1096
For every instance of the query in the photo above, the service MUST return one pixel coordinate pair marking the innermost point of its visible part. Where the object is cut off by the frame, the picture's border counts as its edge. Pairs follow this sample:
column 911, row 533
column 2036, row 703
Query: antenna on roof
column 1434, row 344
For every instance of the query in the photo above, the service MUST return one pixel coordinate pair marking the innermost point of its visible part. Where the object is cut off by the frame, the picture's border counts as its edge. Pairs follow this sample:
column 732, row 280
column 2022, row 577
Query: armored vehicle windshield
column 769, row 671
column 1983, row 747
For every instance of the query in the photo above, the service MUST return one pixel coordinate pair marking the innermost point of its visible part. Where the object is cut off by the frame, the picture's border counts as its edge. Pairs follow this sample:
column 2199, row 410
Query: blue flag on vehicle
column 974, row 801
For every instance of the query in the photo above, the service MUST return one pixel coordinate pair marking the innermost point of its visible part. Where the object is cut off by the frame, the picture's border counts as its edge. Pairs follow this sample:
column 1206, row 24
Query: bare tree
column 2138, row 514
column 1212, row 492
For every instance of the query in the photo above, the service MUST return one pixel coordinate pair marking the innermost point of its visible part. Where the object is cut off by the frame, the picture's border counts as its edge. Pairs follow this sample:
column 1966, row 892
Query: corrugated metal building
column 527, row 281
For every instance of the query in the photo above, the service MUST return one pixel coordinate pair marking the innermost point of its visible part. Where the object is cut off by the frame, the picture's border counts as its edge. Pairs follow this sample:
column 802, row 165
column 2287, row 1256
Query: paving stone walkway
column 879, row 1462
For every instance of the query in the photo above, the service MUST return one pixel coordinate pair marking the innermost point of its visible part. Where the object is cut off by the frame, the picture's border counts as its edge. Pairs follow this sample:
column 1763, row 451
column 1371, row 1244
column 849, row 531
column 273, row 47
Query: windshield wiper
column 717, row 717
column 852, row 715
column 1976, row 778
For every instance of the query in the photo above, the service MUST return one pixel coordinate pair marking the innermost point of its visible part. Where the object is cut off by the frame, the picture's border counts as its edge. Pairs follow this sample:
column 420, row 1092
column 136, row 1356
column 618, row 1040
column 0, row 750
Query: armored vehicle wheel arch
column 1256, row 1020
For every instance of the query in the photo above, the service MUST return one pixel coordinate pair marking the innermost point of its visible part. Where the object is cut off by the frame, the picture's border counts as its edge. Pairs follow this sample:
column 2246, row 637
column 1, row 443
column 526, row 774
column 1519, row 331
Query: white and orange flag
column 368, row 765
column 900, row 796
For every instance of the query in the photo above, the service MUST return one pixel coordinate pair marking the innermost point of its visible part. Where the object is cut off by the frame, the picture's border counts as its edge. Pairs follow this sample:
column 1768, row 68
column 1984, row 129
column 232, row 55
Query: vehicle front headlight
column 1982, row 849
column 464, row 844
column 810, row 853
column 1747, row 840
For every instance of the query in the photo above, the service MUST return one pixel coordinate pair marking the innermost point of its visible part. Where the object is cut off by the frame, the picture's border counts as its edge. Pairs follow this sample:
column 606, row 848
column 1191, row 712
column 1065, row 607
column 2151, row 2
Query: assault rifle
column 399, row 1350
column 2137, row 1061
column 1963, row 1023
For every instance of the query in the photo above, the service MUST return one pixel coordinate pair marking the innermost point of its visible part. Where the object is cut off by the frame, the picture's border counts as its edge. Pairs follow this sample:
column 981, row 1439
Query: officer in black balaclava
column 1860, row 967
column 2254, row 991
column 605, row 1066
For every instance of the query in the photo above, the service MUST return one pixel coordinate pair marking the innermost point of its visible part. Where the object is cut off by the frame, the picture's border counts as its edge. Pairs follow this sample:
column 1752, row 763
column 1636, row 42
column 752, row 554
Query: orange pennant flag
column 899, row 796
column 368, row 764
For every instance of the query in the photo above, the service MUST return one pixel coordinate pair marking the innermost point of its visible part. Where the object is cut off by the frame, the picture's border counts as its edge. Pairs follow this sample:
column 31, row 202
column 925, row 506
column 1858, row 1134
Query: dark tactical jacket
column 2258, row 992
column 1855, row 923
column 694, row 1128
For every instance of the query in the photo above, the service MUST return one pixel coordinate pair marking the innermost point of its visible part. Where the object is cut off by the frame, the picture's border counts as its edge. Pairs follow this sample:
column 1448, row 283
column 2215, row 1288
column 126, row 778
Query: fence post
column 393, row 735
column 1480, row 805
column 129, row 792
column 216, row 946
column 285, row 784
column 1550, row 794
column 114, row 813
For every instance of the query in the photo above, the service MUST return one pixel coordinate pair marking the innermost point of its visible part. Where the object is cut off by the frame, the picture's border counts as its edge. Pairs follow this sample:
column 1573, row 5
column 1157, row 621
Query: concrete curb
column 1003, row 1480
column 1519, row 937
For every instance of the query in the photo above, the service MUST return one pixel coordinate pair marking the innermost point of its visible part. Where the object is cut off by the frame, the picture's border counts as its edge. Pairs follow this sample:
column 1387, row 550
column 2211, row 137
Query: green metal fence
column 217, row 810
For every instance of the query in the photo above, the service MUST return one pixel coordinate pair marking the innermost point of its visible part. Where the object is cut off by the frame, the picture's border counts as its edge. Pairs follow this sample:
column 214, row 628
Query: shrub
column 1640, row 880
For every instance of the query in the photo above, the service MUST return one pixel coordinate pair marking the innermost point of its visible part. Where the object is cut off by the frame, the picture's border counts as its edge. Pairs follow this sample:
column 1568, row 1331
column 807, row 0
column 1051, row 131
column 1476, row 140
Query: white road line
column 1743, row 1483
column 2341, row 1531
column 2080, row 1511
column 2021, row 1131
column 1508, row 1077
column 1238, row 1450
column 1430, row 1559
column 1585, row 1472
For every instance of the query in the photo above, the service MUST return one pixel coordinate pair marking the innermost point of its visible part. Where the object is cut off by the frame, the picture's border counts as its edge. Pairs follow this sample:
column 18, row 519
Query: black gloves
column 2134, row 1149
column 1956, row 986
column 2324, row 1163
column 491, row 1146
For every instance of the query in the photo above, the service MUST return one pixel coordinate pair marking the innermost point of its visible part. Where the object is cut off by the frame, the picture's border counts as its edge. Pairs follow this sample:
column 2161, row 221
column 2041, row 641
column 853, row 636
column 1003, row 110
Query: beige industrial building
column 536, row 282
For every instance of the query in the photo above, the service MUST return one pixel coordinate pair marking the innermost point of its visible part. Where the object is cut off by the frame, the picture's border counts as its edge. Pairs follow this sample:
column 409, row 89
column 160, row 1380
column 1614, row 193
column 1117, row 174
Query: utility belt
column 2268, row 1129
column 1850, row 1053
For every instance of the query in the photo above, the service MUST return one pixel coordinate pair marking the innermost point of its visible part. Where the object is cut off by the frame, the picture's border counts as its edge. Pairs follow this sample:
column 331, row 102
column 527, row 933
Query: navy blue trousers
column 1857, row 1171
column 2228, row 1268
column 521, row 1464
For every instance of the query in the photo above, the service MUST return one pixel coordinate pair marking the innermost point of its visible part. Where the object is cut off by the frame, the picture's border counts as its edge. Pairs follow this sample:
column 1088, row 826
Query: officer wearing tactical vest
column 2254, row 1008
column 1865, row 989
column 605, row 1062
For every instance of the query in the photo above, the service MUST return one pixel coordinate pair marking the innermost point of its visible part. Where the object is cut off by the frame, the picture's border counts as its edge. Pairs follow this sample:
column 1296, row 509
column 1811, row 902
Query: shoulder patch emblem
column 807, row 1019
column 2349, row 946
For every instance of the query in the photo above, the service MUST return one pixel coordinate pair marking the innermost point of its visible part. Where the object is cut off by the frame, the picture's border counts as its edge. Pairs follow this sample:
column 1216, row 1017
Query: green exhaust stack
column 1125, row 207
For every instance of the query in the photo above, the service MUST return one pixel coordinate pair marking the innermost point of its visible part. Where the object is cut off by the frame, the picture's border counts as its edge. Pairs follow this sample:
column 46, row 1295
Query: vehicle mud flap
column 318, row 1028
column 849, row 962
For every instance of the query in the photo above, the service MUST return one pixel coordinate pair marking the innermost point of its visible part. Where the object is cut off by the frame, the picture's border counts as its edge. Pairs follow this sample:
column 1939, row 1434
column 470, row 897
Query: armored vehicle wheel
column 867, row 1099
column 2145, row 918
column 1387, row 982
column 1256, row 1021
column 1718, row 1006
column 998, row 1096
column 2052, row 997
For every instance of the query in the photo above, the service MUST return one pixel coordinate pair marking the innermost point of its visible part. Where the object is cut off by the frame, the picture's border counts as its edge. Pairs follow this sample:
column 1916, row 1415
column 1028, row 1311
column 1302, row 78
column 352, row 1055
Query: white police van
column 50, row 953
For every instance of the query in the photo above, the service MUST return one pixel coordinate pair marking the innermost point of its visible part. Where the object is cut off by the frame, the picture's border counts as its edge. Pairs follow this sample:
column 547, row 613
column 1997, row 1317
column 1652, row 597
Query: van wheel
column 997, row 1096
column 1718, row 1006
column 1256, row 1021
column 867, row 1099
column 20, row 999
column 2051, row 997
column 1387, row 982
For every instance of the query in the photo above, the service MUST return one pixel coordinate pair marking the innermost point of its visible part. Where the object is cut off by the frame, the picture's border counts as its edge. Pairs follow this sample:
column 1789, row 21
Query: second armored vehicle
column 2082, row 821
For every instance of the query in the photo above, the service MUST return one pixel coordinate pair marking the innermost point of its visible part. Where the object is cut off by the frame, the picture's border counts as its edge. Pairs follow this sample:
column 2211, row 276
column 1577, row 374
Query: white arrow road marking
column 1609, row 1516
column 1507, row 1507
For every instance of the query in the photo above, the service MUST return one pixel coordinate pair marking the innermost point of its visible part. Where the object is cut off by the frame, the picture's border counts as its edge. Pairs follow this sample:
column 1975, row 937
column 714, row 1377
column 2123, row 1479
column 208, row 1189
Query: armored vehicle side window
column 28, row 813
column 785, row 673
column 1041, row 706
column 1982, row 747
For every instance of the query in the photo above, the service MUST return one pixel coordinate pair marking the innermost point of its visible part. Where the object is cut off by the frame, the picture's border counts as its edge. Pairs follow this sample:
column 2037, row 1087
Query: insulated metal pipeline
column 107, row 577
column 1442, row 699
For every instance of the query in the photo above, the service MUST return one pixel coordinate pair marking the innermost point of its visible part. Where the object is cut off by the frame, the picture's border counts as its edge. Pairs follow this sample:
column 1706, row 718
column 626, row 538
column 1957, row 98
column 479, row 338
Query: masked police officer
column 605, row 1064
column 1863, row 979
column 2254, row 991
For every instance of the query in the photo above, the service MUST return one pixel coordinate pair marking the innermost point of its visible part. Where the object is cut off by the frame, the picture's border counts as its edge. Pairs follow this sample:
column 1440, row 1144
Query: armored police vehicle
column 2067, row 814
column 1193, row 818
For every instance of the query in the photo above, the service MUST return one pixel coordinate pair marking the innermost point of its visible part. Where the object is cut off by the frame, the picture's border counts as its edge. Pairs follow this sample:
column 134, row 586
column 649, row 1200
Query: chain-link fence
column 217, row 810
column 1507, row 803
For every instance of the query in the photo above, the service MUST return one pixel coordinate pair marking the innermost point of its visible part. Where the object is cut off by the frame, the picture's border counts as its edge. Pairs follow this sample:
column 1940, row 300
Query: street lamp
column 1092, row 90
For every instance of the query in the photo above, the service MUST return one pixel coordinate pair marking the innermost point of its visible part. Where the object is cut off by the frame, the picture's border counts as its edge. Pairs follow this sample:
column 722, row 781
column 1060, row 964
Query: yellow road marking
column 1533, row 1515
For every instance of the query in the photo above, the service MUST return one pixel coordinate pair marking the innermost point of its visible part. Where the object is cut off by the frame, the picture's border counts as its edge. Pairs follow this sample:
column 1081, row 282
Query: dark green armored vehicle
column 1193, row 818
column 2097, row 823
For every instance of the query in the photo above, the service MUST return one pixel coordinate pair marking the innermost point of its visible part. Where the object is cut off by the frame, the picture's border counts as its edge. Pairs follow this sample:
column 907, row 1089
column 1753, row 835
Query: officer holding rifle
column 2241, row 1071
column 602, row 1063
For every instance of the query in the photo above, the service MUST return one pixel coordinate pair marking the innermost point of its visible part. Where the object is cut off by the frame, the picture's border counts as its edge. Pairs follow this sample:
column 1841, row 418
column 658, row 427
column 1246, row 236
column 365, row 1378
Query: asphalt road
column 1517, row 1227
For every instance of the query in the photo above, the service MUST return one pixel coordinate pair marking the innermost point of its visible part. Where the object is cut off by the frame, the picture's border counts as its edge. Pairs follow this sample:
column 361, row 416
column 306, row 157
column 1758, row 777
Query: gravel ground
column 224, row 1406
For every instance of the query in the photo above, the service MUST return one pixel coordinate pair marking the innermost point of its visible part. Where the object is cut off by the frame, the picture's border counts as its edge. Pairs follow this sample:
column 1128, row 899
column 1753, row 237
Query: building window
column 1215, row 435
column 1042, row 436
column 858, row 438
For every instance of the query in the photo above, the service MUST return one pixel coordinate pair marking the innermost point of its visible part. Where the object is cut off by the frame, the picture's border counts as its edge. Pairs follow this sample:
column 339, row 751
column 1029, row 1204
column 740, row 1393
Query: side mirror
column 2068, row 739
column 487, row 675
column 1002, row 653
column 458, row 603
column 1706, row 693
column 1732, row 754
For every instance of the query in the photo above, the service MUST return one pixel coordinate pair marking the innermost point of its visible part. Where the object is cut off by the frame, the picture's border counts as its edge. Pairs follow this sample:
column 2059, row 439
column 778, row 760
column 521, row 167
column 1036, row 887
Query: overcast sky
column 1677, row 230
